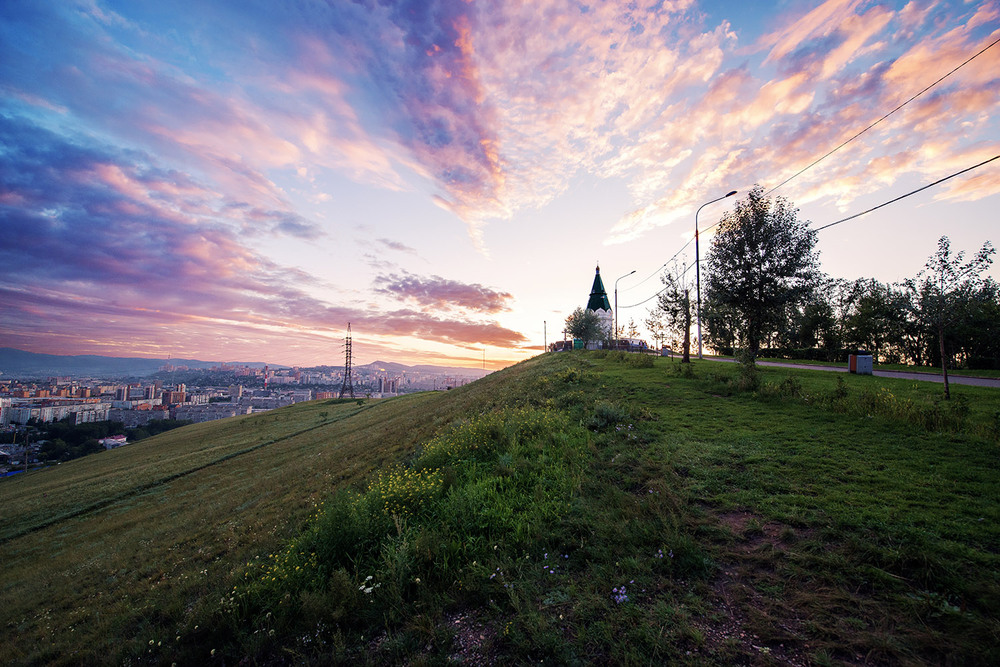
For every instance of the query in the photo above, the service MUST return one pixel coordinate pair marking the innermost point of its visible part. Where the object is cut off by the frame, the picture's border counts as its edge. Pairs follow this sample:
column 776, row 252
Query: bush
column 607, row 416
column 749, row 377
column 640, row 361
column 684, row 370
column 790, row 387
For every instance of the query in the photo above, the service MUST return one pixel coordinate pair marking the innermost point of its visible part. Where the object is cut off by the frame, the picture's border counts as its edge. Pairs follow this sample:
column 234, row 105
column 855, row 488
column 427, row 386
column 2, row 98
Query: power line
column 817, row 161
column 660, row 268
column 680, row 275
column 852, row 217
column 892, row 201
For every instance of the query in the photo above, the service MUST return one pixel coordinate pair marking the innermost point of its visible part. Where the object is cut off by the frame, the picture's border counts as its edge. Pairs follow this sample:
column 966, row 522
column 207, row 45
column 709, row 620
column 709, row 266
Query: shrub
column 607, row 416
column 749, row 377
column 640, row 361
column 685, row 370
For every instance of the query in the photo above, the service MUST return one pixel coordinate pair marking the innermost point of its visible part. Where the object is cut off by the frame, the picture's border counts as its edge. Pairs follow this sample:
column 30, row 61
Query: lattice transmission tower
column 348, row 386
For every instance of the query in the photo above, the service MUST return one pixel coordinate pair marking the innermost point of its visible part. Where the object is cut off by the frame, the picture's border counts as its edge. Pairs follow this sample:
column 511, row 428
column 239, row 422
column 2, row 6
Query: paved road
column 903, row 375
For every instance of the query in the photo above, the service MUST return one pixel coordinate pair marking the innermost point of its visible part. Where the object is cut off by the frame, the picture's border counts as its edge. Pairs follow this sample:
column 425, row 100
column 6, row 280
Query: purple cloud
column 439, row 293
column 106, row 245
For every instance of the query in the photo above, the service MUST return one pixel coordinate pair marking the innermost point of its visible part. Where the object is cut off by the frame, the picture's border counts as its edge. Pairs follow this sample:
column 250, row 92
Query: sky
column 238, row 181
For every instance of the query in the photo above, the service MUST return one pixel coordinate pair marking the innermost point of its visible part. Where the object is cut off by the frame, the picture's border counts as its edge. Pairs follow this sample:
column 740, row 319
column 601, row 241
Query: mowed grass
column 574, row 508
column 84, row 580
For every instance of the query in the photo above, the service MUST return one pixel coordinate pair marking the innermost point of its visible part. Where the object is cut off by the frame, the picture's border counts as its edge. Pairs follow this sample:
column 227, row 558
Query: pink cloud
column 747, row 130
column 819, row 22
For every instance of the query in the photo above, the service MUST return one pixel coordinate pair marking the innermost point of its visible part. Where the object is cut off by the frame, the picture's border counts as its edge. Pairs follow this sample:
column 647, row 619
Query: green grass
column 933, row 370
column 577, row 508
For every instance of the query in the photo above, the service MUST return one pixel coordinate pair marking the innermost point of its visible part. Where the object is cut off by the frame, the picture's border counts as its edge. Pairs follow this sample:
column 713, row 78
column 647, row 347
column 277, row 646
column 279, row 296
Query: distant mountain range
column 21, row 364
column 393, row 367
column 18, row 363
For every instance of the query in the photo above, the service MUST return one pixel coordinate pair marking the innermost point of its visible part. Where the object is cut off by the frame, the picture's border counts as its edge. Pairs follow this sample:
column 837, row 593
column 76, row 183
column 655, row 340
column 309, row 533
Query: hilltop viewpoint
column 577, row 508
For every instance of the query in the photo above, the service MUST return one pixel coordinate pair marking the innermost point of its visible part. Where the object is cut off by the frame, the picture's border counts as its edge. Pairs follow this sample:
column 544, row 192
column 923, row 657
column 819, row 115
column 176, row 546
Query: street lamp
column 615, row 325
column 697, row 264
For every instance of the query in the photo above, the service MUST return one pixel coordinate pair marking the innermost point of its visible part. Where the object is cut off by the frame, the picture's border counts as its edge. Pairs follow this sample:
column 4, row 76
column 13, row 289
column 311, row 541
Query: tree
column 633, row 330
column 979, row 340
column 657, row 327
column 876, row 319
column 946, row 286
column 674, row 305
column 761, row 261
column 585, row 325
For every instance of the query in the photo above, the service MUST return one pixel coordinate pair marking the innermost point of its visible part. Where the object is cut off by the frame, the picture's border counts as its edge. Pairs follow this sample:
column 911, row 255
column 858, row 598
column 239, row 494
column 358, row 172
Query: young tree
column 674, row 305
column 657, row 327
column 762, row 259
column 633, row 330
column 945, row 287
column 585, row 325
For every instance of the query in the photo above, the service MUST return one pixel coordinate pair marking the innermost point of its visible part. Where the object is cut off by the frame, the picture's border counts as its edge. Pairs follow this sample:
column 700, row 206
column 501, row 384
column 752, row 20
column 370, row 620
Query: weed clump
column 640, row 361
column 748, row 378
column 684, row 370
column 790, row 387
column 606, row 416
column 630, row 359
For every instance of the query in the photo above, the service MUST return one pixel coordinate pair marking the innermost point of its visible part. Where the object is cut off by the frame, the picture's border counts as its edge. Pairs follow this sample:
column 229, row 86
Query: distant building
column 51, row 411
column 133, row 418
column 113, row 441
column 302, row 395
column 209, row 412
column 599, row 304
column 172, row 397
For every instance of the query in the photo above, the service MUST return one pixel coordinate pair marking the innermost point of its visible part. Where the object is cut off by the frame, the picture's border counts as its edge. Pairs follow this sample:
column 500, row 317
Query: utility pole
column 348, row 386
column 616, row 305
column 697, row 263
column 545, row 336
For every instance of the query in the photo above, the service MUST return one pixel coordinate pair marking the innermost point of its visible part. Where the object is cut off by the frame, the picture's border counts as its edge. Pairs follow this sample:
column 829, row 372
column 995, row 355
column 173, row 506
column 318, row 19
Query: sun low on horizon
column 239, row 181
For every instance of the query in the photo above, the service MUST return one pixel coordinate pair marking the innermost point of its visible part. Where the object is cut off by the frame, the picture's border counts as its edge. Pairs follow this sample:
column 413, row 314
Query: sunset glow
column 236, row 181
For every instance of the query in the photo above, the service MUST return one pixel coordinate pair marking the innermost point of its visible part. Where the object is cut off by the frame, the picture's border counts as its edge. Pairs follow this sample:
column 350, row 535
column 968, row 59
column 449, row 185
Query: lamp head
column 731, row 193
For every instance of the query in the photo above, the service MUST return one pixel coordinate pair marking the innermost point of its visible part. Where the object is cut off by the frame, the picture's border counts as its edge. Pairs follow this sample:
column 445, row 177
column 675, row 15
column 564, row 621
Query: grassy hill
column 574, row 508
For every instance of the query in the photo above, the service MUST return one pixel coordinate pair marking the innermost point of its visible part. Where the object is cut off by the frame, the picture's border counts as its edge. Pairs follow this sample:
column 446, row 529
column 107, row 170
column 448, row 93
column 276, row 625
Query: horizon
column 243, row 181
column 274, row 364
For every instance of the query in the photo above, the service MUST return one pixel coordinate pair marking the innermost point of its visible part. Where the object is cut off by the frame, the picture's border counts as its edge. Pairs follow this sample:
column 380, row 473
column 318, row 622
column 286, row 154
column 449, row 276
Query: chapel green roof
column 598, row 295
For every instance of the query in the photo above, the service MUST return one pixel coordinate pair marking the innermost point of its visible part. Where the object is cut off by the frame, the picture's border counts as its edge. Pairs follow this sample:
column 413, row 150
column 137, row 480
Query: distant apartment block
column 51, row 411
column 133, row 418
column 210, row 412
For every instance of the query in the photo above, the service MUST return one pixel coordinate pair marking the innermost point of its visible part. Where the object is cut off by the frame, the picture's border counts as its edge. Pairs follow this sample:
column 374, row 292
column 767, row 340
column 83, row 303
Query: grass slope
column 577, row 507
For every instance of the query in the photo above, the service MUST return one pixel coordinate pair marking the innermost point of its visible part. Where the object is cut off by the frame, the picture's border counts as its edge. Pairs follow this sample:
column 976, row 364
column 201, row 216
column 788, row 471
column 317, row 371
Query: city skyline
column 241, row 180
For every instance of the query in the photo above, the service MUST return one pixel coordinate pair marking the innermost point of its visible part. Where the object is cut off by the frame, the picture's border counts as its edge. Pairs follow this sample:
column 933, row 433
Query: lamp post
column 697, row 262
column 615, row 325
